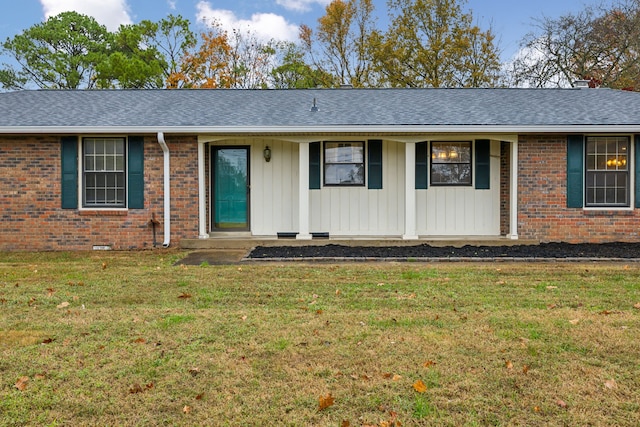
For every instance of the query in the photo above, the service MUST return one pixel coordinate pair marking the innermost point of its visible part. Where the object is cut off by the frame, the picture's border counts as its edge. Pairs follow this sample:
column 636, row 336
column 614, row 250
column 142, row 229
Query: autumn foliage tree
column 206, row 67
column 432, row 43
column 339, row 48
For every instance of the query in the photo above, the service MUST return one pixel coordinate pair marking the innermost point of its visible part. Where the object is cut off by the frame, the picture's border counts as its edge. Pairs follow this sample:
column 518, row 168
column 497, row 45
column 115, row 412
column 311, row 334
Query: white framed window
column 451, row 163
column 104, row 175
column 344, row 164
column 607, row 178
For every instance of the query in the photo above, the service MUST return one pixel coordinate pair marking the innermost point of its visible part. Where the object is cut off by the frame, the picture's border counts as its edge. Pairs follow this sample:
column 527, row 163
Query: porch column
column 303, row 192
column 202, row 197
column 410, row 228
column 513, row 191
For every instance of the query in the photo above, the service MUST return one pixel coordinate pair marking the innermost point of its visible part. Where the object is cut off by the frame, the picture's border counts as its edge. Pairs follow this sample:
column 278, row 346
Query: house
column 116, row 168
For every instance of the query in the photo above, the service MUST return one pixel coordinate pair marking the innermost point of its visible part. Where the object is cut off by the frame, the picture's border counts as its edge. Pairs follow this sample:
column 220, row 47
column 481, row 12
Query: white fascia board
column 380, row 129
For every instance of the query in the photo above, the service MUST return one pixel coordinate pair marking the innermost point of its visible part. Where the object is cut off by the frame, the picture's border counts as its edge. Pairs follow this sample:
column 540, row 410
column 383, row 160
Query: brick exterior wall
column 542, row 206
column 30, row 199
column 31, row 217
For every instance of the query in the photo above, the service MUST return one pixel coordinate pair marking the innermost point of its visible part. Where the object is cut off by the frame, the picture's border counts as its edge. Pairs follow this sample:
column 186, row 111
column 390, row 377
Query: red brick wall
column 32, row 219
column 542, row 211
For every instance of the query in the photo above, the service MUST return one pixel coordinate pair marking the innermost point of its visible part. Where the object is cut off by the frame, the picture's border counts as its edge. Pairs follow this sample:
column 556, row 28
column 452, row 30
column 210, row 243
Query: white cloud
column 301, row 5
column 265, row 26
column 110, row 13
column 171, row 4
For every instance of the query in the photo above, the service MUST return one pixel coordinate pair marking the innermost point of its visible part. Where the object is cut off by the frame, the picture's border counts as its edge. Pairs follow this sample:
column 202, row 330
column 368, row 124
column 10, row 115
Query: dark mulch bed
column 543, row 250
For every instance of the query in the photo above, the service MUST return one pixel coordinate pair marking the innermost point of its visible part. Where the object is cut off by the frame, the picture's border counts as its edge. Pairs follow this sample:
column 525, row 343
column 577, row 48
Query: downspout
column 167, row 192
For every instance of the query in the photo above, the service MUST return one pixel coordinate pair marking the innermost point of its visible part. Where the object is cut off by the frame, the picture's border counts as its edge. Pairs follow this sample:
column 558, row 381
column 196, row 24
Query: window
column 104, row 173
column 607, row 171
column 451, row 163
column 344, row 163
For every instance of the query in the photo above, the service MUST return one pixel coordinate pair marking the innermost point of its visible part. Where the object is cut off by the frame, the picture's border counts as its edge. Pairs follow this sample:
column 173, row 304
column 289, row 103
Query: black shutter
column 375, row 164
column 483, row 166
column 315, row 166
column 422, row 166
column 69, row 156
column 135, row 171
column 575, row 165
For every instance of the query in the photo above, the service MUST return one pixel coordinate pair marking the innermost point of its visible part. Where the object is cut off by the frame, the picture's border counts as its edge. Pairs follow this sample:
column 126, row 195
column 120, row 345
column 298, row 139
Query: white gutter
column 167, row 192
column 325, row 129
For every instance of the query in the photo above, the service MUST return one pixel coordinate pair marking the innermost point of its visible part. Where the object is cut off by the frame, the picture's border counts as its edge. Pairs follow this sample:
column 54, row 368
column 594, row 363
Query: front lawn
column 127, row 338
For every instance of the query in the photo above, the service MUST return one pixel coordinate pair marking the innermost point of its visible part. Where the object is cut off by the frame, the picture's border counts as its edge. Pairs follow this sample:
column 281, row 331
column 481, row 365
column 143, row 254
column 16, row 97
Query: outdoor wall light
column 267, row 154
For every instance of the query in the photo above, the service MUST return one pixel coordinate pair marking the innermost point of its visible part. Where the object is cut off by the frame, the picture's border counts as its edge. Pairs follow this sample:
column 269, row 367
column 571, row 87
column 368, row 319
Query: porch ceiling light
column 267, row 154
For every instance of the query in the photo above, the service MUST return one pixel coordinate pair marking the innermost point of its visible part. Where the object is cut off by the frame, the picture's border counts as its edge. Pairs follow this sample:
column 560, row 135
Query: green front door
column 230, row 183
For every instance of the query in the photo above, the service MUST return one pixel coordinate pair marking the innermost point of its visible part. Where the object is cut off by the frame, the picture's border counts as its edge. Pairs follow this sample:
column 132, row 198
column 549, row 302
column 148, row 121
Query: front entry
column 230, row 183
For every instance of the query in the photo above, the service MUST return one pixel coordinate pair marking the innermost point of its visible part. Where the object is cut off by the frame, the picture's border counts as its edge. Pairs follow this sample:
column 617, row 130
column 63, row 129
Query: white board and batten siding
column 462, row 211
column 359, row 211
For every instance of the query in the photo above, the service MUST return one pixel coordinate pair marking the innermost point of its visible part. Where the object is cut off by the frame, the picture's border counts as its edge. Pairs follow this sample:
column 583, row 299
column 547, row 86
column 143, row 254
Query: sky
column 279, row 19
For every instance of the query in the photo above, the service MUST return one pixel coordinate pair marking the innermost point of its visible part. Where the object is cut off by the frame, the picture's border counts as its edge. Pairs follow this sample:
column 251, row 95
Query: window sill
column 104, row 212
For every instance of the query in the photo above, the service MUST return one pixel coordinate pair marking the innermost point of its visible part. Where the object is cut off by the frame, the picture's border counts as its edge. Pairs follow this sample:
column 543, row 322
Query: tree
column 597, row 44
column 207, row 66
column 173, row 38
column 292, row 72
column 251, row 60
column 339, row 48
column 132, row 62
column 432, row 43
column 60, row 53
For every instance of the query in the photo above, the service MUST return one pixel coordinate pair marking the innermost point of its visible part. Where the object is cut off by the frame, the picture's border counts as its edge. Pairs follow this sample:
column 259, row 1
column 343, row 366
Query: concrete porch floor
column 247, row 242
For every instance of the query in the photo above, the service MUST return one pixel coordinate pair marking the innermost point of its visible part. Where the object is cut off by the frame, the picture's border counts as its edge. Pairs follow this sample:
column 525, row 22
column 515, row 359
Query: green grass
column 130, row 339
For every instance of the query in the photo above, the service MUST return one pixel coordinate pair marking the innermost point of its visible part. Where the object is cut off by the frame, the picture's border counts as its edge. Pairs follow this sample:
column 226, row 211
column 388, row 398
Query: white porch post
column 202, row 198
column 513, row 191
column 410, row 228
column 303, row 192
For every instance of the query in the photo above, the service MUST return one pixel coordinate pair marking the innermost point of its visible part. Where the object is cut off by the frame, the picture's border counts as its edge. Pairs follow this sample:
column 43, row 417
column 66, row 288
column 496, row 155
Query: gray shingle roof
column 397, row 109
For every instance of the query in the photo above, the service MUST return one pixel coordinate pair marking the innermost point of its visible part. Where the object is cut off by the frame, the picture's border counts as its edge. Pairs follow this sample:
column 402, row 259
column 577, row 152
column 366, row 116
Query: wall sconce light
column 267, row 154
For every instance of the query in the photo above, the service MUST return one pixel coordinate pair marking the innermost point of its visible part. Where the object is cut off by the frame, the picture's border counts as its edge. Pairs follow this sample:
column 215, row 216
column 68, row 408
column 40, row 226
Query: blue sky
column 510, row 19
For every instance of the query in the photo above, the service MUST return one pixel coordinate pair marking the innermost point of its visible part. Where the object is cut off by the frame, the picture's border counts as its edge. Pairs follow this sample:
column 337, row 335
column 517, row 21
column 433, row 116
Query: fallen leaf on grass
column 574, row 321
column 508, row 364
column 136, row 388
column 345, row 423
column 194, row 371
column 104, row 265
column 40, row 376
column 611, row 384
column 200, row 396
column 140, row 340
column 429, row 363
column 184, row 295
column 186, row 409
column 63, row 305
column 552, row 287
column 637, row 305
column 525, row 369
column 48, row 340
column 50, row 292
column 325, row 401
column 419, row 386
column 606, row 312
column 397, row 377
column 561, row 403
column 21, row 384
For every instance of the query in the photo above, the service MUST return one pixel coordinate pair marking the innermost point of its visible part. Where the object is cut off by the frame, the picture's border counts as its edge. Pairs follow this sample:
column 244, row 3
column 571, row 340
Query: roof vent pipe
column 167, row 191
column 581, row 84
